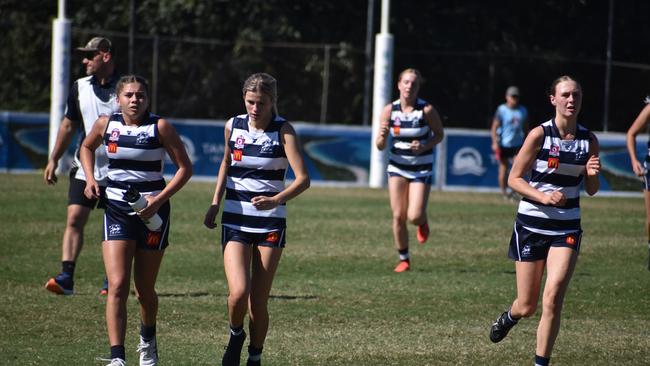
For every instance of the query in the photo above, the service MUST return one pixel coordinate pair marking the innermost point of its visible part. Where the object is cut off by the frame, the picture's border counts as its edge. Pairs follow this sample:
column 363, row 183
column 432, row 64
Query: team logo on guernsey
column 142, row 139
column 267, row 147
column 396, row 126
column 272, row 237
column 114, row 229
column 237, row 155
column 115, row 135
column 554, row 150
column 112, row 147
column 239, row 142
column 554, row 160
column 153, row 238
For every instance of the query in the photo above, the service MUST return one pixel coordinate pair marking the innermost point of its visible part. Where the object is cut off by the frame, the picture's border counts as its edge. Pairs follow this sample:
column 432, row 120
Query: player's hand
column 638, row 169
column 50, row 172
column 153, row 205
column 593, row 166
column 384, row 129
column 92, row 190
column 210, row 216
column 416, row 147
column 555, row 198
column 264, row 203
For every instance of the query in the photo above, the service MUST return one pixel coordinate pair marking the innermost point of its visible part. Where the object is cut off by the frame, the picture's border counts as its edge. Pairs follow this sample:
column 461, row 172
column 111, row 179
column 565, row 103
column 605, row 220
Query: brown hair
column 263, row 83
column 129, row 79
column 562, row 78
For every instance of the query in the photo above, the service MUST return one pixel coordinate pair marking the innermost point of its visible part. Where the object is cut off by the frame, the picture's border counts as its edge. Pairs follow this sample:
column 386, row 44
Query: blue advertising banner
column 338, row 155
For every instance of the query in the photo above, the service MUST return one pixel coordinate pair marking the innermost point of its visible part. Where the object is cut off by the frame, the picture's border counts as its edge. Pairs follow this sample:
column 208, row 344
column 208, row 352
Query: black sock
column 236, row 331
column 118, row 352
column 541, row 361
column 67, row 267
column 255, row 354
column 404, row 254
column 147, row 332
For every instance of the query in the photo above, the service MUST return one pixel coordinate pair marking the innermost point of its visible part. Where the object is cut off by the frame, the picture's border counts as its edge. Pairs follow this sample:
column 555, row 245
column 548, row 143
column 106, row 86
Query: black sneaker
column 233, row 350
column 501, row 327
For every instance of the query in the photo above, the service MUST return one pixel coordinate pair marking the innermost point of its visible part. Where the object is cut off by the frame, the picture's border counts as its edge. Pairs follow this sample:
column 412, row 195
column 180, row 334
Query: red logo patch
column 571, row 240
column 237, row 155
column 272, row 237
column 112, row 147
column 553, row 163
column 153, row 238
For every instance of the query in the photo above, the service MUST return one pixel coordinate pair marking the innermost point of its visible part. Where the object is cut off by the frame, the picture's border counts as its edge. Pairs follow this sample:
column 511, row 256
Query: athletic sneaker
column 402, row 266
column 501, row 327
column 60, row 284
column 233, row 350
column 104, row 290
column 423, row 233
column 148, row 352
column 113, row 361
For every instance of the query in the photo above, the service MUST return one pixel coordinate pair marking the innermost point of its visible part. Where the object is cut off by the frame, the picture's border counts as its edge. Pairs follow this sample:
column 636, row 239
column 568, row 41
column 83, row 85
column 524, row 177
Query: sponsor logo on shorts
column 272, row 237
column 153, row 238
column 114, row 229
column 571, row 240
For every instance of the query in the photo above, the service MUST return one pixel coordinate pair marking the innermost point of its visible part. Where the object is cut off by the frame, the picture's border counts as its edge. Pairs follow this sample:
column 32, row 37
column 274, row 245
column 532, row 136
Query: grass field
column 335, row 300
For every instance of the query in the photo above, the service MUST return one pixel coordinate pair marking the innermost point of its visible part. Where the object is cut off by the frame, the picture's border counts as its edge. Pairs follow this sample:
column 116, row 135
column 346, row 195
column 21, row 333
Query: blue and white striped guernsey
column 258, row 166
column 135, row 157
column 404, row 128
column 560, row 165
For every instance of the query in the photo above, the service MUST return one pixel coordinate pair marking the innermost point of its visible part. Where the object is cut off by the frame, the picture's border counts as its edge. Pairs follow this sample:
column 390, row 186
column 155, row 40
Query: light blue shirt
column 511, row 130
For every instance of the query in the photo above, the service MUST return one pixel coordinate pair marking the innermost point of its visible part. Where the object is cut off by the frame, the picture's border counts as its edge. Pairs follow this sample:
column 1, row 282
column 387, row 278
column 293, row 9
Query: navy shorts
column 119, row 225
column 508, row 152
column 76, row 194
column 273, row 239
column 527, row 246
column 426, row 179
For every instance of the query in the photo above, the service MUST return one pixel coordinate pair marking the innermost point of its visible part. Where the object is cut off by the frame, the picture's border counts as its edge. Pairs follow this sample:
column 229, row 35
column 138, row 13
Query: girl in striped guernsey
column 414, row 128
column 136, row 142
column 641, row 169
column 559, row 157
column 260, row 146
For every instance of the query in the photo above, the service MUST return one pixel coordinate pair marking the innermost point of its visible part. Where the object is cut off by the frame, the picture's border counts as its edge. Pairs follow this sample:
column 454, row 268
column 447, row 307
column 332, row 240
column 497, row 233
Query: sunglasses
column 90, row 54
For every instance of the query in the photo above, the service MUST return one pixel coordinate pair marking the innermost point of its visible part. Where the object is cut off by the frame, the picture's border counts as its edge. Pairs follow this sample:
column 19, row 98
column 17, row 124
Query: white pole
column 381, row 95
column 60, row 72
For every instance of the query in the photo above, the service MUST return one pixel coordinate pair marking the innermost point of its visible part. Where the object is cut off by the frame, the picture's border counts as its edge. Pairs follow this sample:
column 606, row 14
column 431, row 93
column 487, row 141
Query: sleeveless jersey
column 647, row 157
column 404, row 128
column 559, row 165
column 258, row 166
column 135, row 157
column 511, row 130
column 86, row 103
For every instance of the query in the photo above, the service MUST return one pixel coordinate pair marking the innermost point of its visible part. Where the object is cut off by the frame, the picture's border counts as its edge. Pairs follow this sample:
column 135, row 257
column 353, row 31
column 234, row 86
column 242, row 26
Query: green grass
column 335, row 300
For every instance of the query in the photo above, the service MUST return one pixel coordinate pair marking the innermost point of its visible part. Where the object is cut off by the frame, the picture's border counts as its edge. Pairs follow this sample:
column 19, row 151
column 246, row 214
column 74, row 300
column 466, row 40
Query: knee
column 118, row 289
column 552, row 304
column 238, row 297
column 76, row 222
column 399, row 218
column 415, row 218
column 147, row 296
column 258, row 306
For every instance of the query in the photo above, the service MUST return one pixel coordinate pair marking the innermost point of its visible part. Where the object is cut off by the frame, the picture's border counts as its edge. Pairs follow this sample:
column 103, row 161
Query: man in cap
column 89, row 98
column 509, row 127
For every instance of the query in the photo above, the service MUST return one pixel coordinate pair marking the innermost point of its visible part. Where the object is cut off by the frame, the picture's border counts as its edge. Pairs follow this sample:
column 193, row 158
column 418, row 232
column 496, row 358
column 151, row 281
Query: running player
column 415, row 128
column 561, row 155
column 641, row 170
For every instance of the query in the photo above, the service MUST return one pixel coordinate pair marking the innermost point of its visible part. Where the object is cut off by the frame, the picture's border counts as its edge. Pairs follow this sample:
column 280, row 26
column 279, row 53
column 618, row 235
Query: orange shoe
column 402, row 266
column 423, row 233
